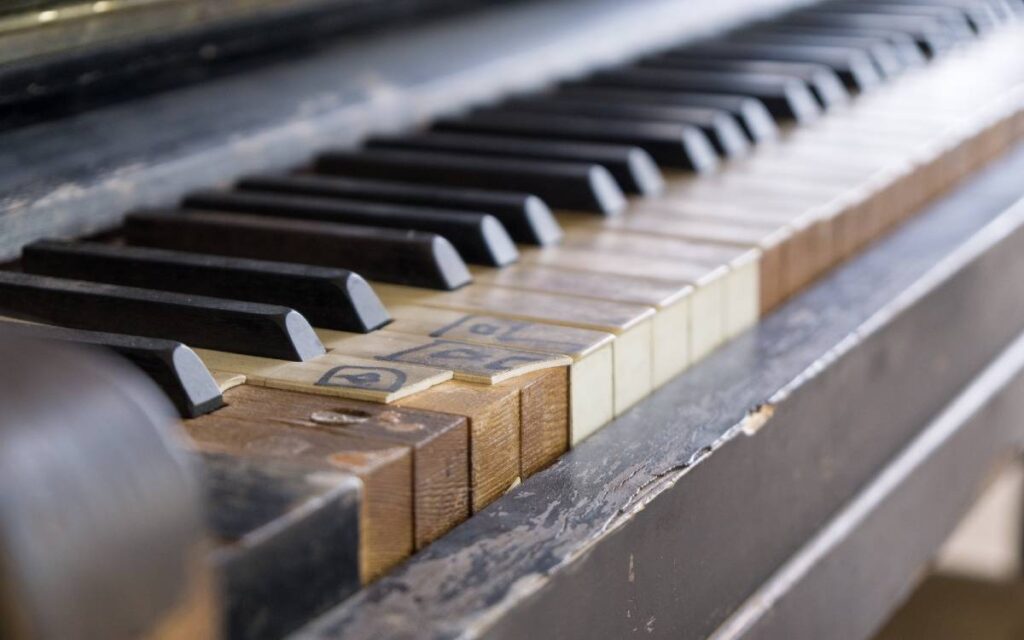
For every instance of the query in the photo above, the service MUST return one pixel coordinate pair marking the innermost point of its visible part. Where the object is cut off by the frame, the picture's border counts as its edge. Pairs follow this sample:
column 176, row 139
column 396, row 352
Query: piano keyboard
column 444, row 312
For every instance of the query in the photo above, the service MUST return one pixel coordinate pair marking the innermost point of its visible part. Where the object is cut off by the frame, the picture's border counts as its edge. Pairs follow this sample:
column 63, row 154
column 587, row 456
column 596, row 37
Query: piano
column 459, row 319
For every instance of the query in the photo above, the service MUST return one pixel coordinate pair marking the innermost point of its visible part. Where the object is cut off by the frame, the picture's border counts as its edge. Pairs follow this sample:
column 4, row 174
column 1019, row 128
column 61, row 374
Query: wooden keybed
column 470, row 391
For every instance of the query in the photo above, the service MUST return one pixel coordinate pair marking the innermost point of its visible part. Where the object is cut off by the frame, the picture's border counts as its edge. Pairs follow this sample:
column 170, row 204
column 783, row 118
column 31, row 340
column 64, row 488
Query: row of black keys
column 410, row 209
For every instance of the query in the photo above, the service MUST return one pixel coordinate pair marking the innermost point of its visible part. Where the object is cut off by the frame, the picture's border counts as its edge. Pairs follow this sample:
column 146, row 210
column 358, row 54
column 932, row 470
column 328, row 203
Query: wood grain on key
column 331, row 375
column 631, row 324
column 385, row 469
column 413, row 464
column 438, row 442
column 543, row 429
column 591, row 374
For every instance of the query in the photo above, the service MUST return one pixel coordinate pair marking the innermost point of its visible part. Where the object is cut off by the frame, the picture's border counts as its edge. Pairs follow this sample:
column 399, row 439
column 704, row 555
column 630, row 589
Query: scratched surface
column 82, row 173
column 473, row 580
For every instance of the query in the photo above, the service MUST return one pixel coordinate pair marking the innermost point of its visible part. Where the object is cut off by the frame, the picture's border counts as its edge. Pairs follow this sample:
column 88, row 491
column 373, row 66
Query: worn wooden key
column 479, row 237
column 339, row 432
column 632, row 167
column 401, row 257
column 286, row 540
column 333, row 374
column 568, row 185
column 750, row 113
column 631, row 323
column 243, row 327
column 675, row 145
column 175, row 368
column 785, row 98
column 526, row 217
column 591, row 374
column 721, row 129
column 328, row 297
column 501, row 383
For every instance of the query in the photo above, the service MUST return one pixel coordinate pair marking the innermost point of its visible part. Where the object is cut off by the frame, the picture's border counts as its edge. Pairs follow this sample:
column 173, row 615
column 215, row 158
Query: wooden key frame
column 414, row 465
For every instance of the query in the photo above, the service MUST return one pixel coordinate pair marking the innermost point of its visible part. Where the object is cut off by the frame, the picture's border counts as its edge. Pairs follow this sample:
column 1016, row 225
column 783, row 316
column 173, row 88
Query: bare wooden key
column 567, row 185
column 331, row 375
column 674, row 145
column 400, row 257
column 721, row 129
column 823, row 82
column 244, row 327
column 478, row 237
column 287, row 540
column 591, row 374
column 632, row 167
column 438, row 444
column 385, row 524
column 526, row 217
column 785, row 98
column 328, row 297
column 175, row 368
column 481, row 364
column 750, row 113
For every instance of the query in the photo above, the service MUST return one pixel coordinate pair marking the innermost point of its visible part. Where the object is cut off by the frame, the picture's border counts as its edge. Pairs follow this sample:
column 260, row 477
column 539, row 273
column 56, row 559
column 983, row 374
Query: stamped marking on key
column 526, row 335
column 369, row 378
column 471, row 359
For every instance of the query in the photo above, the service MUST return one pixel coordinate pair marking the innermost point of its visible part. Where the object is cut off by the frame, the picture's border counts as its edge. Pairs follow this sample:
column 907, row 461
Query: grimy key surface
column 632, row 167
column 328, row 297
column 525, row 216
column 478, row 237
column 751, row 114
column 330, row 375
column 175, row 368
column 287, row 540
column 675, row 145
column 566, row 185
column 438, row 444
column 721, row 129
column 785, row 98
column 264, row 330
column 399, row 257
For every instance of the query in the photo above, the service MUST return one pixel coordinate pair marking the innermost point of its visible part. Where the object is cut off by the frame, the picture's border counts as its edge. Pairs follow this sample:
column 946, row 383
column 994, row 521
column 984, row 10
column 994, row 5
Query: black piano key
column 478, row 237
column 255, row 329
column 955, row 21
column 287, row 540
column 566, row 185
column 399, row 257
column 902, row 44
column 823, row 82
column 175, row 368
column 526, row 217
column 671, row 145
column 785, row 98
column 750, row 113
column 852, row 66
column 328, row 297
column 721, row 129
column 932, row 38
column 887, row 61
column 632, row 167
